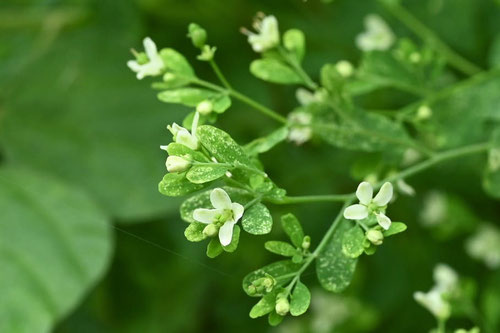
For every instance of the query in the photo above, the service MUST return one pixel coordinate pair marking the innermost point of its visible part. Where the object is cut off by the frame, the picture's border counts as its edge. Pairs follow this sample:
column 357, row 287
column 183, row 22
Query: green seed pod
column 197, row 34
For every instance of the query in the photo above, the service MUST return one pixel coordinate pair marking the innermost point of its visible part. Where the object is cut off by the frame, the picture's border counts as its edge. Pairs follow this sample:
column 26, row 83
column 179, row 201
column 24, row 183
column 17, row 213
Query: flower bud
column 210, row 230
column 177, row 164
column 204, row 107
column 375, row 236
column 252, row 290
column 197, row 34
column 306, row 242
column 344, row 68
column 424, row 112
column 169, row 77
column 268, row 283
column 282, row 306
column 207, row 53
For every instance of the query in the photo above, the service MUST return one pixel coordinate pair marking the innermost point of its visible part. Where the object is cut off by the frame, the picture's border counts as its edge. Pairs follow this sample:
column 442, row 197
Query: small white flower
column 445, row 277
column 224, row 215
column 434, row 302
column 267, row 36
column 182, row 135
column 377, row 36
column 300, row 131
column 368, row 204
column 305, row 97
column 344, row 68
column 154, row 64
column 177, row 164
column 405, row 188
column 435, row 209
column 485, row 245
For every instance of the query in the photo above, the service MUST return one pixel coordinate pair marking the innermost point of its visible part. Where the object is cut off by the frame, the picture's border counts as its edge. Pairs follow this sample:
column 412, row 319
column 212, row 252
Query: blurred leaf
column 266, row 143
column 281, row 248
column 257, row 220
column 275, row 319
column 55, row 244
column 275, row 71
column 188, row 96
column 395, row 228
column 176, row 63
column 176, row 184
column 300, row 299
column 293, row 229
column 194, row 232
column 294, row 41
column 264, row 306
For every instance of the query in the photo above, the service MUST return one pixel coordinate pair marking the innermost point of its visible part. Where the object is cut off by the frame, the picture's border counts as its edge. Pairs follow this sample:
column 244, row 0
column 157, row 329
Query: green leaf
column 188, row 96
column 221, row 103
column 352, row 242
column 333, row 268
column 275, row 71
column 214, row 248
column 295, row 42
column 281, row 248
column 264, row 306
column 202, row 200
column 330, row 77
column 221, row 145
column 491, row 183
column 395, row 228
column 55, row 245
column 194, row 232
column 300, row 299
column 234, row 241
column 257, row 220
column 274, row 319
column 491, row 176
column 200, row 174
column 293, row 229
column 266, row 143
column 177, row 149
column 282, row 271
column 176, row 62
column 176, row 184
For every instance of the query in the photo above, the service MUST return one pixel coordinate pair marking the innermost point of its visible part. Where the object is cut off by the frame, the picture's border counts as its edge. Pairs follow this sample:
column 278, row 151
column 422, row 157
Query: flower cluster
column 377, row 36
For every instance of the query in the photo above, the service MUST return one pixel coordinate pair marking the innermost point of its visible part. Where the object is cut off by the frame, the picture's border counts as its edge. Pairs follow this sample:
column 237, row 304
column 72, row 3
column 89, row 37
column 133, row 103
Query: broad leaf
column 352, row 242
column 395, row 228
column 281, row 248
column 194, row 232
column 55, row 245
column 214, row 248
column 188, row 96
column 200, row 174
column 300, row 299
column 176, row 63
column 264, row 306
column 293, row 229
column 275, row 71
column 266, row 143
column 176, row 184
column 257, row 220
column 275, row 319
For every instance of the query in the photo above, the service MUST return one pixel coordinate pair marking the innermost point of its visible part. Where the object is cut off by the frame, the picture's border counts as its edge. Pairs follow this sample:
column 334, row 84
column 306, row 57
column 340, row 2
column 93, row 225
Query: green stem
column 219, row 74
column 311, row 198
column 243, row 98
column 441, row 326
column 426, row 34
column 298, row 69
column 237, row 166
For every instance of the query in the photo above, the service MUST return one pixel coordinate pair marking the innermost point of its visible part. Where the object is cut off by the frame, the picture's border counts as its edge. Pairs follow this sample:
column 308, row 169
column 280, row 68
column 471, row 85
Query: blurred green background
column 78, row 130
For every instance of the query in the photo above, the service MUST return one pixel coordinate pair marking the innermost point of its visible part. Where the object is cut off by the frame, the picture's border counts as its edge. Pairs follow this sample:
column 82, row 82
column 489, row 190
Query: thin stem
column 237, row 165
column 426, row 34
column 311, row 198
column 441, row 326
column 298, row 69
column 219, row 74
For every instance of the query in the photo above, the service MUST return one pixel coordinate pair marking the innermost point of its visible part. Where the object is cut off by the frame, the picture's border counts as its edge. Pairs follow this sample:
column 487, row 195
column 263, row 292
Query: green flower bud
column 375, row 236
column 344, row 68
column 169, row 77
column 197, row 34
column 268, row 283
column 210, row 230
column 252, row 290
column 204, row 107
column 306, row 242
column 282, row 306
column 177, row 164
column 207, row 53
column 424, row 112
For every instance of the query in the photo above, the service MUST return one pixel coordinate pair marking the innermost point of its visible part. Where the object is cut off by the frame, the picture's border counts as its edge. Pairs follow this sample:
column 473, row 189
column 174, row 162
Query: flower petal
column 356, row 212
column 364, row 193
column 150, row 48
column 206, row 216
column 383, row 221
column 220, row 199
column 226, row 233
column 384, row 195
column 237, row 211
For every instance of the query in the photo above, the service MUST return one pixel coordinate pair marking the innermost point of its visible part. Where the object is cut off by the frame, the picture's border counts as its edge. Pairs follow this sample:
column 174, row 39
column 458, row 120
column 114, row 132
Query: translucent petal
column 150, row 48
column 237, row 211
column 383, row 221
column 226, row 233
column 134, row 65
column 220, row 199
column 206, row 216
column 384, row 195
column 356, row 212
column 364, row 193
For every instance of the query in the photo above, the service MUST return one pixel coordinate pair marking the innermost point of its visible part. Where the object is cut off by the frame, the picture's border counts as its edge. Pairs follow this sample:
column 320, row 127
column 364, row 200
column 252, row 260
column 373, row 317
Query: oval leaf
column 176, row 62
column 281, row 248
column 176, row 184
column 300, row 299
column 200, row 174
column 273, row 70
column 395, row 228
column 352, row 242
column 194, row 232
column 257, row 220
column 264, row 306
column 187, row 96
column 292, row 228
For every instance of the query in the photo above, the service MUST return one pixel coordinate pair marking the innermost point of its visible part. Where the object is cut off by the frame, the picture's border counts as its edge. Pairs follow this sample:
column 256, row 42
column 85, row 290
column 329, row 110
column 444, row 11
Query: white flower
column 267, row 35
column 151, row 66
column 344, row 68
column 182, row 135
column 405, row 188
column 435, row 209
column 300, row 131
column 434, row 302
column 485, row 245
column 224, row 216
column 368, row 204
column 445, row 277
column 305, row 97
column 377, row 36
column 177, row 164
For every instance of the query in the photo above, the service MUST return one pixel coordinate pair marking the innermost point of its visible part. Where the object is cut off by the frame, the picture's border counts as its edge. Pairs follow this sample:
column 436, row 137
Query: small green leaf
column 292, row 228
column 188, row 96
column 371, row 249
column 177, row 149
column 266, row 143
column 275, row 71
column 297, row 258
column 264, row 306
column 257, row 220
column 333, row 268
column 300, row 299
column 200, row 174
column 395, row 228
column 176, row 63
column 330, row 77
column 274, row 319
column 295, row 42
column 175, row 82
column 352, row 242
column 234, row 241
column 214, row 248
column 221, row 103
column 194, row 232
column 281, row 248
column 176, row 184
column 282, row 271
